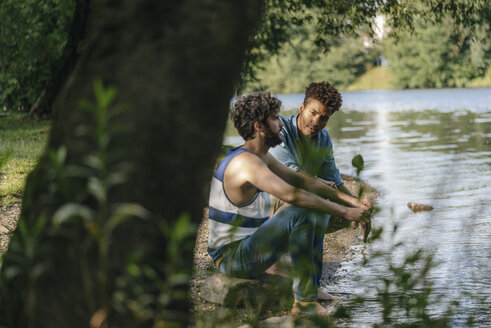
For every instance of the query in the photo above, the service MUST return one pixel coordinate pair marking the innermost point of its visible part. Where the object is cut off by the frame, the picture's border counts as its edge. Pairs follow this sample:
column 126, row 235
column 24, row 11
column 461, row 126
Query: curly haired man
column 245, row 239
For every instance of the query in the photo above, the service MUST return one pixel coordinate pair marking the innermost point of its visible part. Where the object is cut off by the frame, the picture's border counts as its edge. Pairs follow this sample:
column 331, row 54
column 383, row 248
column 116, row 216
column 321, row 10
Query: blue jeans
column 294, row 230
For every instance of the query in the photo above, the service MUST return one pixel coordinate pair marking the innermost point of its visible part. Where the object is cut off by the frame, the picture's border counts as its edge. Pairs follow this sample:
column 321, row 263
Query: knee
column 305, row 217
column 302, row 216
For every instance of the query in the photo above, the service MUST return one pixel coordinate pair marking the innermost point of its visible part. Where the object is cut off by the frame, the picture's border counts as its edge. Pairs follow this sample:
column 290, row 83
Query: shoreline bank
column 9, row 215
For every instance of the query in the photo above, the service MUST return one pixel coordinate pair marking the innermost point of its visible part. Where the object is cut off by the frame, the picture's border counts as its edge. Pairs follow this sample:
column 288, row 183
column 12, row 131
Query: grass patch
column 481, row 82
column 375, row 78
column 21, row 141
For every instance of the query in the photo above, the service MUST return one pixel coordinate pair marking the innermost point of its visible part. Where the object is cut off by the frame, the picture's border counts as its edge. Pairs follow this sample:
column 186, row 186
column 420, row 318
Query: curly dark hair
column 254, row 107
column 324, row 92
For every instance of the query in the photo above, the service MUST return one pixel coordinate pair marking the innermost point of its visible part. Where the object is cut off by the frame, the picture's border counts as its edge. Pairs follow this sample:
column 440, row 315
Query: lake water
column 427, row 146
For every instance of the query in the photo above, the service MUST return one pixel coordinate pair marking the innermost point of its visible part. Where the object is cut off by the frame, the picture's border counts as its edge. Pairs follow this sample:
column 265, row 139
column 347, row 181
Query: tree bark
column 174, row 65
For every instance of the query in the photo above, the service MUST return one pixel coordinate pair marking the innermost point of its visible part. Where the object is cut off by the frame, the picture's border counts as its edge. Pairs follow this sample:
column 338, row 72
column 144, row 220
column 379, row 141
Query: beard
column 272, row 139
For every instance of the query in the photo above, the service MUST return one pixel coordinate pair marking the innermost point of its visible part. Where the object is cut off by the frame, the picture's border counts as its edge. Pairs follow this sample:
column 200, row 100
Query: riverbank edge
column 9, row 215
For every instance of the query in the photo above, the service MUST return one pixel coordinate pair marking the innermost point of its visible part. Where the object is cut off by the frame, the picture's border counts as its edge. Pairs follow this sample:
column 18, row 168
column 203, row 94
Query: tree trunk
column 174, row 65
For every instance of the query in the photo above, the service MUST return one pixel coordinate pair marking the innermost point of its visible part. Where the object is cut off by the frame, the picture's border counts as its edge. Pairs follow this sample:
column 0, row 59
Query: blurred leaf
column 59, row 156
column 178, row 279
column 72, row 210
column 376, row 234
column 75, row 171
column 37, row 271
column 104, row 96
column 358, row 163
column 12, row 271
column 94, row 162
column 116, row 178
column 97, row 189
column 125, row 211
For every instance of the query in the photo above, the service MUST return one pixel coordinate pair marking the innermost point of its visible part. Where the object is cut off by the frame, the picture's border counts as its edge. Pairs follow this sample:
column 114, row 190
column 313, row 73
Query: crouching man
column 244, row 240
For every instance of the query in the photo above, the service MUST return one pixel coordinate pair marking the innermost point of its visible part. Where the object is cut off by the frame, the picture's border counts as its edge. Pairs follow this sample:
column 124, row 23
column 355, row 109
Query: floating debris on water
column 417, row 207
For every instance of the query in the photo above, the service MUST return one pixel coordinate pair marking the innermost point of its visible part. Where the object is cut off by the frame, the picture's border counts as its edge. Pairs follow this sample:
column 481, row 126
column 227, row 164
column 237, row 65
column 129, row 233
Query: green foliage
column 32, row 36
column 301, row 62
column 437, row 56
column 327, row 19
column 406, row 292
column 484, row 81
column 144, row 290
column 358, row 163
column 323, row 21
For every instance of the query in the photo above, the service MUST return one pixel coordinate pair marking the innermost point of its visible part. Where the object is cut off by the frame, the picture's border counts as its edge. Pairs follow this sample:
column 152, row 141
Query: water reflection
column 419, row 131
column 440, row 157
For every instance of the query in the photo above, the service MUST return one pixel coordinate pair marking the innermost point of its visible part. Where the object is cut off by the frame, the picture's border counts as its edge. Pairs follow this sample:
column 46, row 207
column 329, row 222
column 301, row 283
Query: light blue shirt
column 290, row 152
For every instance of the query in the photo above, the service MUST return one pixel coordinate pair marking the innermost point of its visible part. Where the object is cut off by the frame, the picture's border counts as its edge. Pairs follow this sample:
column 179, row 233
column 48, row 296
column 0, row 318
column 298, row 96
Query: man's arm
column 345, row 190
column 284, row 154
column 340, row 187
column 256, row 172
column 305, row 181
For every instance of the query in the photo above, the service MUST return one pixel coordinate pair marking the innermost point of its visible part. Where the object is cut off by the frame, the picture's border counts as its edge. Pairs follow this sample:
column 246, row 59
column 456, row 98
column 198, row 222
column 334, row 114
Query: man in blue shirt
column 307, row 148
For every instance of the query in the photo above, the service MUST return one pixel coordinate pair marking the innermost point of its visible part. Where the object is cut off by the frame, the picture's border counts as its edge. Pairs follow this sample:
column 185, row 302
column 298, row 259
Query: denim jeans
column 294, row 230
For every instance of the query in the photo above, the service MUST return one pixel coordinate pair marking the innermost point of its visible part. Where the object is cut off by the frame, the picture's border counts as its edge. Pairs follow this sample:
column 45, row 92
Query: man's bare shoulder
column 245, row 168
column 245, row 162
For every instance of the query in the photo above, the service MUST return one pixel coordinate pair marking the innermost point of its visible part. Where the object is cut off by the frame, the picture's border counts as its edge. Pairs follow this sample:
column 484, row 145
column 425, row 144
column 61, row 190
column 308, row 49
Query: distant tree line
column 301, row 62
column 427, row 56
column 437, row 56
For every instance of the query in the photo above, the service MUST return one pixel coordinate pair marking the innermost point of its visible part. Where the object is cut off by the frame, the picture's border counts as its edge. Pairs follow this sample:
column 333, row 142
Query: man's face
column 313, row 118
column 272, row 130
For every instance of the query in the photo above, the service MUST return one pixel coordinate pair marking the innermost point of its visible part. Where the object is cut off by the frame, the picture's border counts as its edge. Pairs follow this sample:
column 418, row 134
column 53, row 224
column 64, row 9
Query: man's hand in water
column 360, row 217
column 357, row 215
column 364, row 204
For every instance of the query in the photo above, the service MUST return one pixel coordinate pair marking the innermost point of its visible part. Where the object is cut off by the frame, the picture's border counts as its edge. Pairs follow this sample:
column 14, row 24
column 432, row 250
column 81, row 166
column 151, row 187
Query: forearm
column 311, row 201
column 302, row 180
column 344, row 189
column 342, row 196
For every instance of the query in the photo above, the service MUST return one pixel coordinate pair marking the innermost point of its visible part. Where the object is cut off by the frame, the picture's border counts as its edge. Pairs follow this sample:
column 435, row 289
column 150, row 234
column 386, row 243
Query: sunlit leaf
column 72, row 210
column 116, row 178
column 97, row 189
column 125, row 211
column 94, row 162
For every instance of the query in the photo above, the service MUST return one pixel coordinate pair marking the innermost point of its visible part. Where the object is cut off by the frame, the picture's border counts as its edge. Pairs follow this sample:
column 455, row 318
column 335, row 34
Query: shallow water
column 427, row 146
